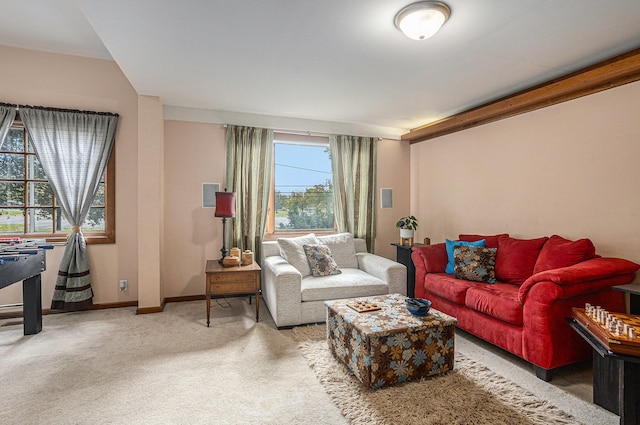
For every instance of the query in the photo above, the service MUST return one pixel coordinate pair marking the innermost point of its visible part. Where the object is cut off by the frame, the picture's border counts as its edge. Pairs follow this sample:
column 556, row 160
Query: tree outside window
column 303, row 187
column 27, row 204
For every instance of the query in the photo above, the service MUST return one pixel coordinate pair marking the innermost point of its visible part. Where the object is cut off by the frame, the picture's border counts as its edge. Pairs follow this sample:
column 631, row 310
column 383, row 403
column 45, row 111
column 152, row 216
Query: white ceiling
column 326, row 64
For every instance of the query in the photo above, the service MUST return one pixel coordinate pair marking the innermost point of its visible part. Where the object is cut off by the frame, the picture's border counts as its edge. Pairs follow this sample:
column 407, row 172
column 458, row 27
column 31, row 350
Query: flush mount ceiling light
column 423, row 19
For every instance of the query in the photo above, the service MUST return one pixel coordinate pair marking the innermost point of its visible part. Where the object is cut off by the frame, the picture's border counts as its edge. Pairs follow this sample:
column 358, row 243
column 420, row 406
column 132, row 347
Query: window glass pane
column 39, row 195
column 26, row 199
column 11, row 194
column 14, row 141
column 94, row 222
column 11, row 166
column 98, row 201
column 11, row 221
column 62, row 224
column 39, row 220
column 34, row 169
column 303, row 187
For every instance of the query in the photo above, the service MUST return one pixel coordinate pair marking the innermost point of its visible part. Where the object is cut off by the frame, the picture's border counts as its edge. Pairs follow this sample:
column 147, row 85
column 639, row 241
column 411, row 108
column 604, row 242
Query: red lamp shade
column 225, row 204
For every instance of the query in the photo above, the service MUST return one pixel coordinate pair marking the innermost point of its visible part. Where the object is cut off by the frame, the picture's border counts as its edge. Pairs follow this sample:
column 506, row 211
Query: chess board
column 619, row 344
column 363, row 306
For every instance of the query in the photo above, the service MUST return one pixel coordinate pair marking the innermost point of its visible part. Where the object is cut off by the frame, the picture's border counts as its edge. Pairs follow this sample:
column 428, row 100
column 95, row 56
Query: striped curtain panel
column 249, row 159
column 73, row 148
column 354, row 164
column 7, row 115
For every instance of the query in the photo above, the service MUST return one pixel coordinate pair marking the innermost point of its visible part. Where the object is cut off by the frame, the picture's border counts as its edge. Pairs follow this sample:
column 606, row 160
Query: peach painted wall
column 150, row 201
column 194, row 154
column 184, row 234
column 571, row 169
column 393, row 172
column 46, row 79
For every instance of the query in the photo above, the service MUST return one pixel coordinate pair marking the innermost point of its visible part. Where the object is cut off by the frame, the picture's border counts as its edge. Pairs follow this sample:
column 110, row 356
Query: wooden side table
column 232, row 281
column 403, row 256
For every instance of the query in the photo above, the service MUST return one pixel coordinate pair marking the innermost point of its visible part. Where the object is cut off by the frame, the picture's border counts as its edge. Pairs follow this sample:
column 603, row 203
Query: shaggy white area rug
column 470, row 394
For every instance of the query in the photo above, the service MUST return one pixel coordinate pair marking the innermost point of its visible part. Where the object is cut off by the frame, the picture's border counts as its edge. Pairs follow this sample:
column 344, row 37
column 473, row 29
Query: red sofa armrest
column 588, row 276
column 428, row 259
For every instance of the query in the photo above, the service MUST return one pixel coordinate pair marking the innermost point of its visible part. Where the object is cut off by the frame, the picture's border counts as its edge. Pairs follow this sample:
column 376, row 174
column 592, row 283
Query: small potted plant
column 407, row 226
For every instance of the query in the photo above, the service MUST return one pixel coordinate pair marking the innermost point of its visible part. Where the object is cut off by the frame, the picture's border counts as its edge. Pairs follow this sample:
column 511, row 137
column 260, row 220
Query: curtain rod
column 301, row 133
column 296, row 133
column 45, row 108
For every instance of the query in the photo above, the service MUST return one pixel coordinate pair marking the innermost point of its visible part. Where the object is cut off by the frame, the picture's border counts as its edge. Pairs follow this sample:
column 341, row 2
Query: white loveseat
column 294, row 296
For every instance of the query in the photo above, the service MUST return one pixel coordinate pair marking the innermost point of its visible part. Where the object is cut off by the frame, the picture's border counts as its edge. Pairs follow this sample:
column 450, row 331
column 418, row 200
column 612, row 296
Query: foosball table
column 615, row 339
column 24, row 261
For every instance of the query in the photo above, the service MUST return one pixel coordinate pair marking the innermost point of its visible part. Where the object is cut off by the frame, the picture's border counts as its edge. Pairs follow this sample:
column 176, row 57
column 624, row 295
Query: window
column 28, row 206
column 301, row 186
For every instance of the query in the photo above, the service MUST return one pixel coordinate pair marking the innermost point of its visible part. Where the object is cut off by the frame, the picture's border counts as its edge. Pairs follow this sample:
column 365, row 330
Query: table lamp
column 225, row 208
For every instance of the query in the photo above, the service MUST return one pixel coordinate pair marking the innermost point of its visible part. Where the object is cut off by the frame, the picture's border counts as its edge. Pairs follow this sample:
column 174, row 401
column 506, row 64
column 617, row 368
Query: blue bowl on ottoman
column 418, row 306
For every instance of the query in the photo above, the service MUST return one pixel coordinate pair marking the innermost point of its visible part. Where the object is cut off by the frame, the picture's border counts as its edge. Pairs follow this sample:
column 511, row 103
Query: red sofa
column 538, row 281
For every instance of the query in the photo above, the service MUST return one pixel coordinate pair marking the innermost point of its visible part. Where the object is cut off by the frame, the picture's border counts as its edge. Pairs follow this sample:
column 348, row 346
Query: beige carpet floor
column 113, row 367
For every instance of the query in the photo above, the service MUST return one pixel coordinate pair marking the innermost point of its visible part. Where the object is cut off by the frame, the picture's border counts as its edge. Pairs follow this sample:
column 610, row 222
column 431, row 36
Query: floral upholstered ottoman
column 389, row 345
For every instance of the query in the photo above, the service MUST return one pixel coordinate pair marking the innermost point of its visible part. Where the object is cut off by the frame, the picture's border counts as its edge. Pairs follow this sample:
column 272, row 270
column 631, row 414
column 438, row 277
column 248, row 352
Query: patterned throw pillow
column 452, row 244
column 475, row 263
column 320, row 260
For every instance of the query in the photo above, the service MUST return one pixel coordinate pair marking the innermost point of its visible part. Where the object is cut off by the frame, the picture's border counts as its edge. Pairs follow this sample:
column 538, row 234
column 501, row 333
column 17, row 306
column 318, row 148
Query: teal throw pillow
column 452, row 244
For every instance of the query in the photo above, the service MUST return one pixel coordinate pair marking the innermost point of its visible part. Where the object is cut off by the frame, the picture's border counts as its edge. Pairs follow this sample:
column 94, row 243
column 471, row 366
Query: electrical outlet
column 124, row 285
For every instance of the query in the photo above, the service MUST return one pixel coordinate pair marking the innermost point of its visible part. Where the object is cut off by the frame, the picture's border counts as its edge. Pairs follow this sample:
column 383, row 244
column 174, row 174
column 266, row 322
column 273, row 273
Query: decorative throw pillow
column 559, row 252
column 451, row 244
column 343, row 249
column 516, row 258
column 321, row 262
column 292, row 251
column 475, row 263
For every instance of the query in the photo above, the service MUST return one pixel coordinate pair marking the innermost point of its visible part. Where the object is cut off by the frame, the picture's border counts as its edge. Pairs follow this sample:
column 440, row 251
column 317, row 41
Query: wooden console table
column 231, row 281
column 616, row 378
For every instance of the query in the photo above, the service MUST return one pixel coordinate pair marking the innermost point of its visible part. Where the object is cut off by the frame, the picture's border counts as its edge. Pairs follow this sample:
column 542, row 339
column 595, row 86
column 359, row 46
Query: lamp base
column 224, row 251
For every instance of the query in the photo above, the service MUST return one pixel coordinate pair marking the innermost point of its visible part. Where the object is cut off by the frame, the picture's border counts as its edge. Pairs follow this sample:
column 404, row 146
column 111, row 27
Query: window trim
column 109, row 234
column 271, row 233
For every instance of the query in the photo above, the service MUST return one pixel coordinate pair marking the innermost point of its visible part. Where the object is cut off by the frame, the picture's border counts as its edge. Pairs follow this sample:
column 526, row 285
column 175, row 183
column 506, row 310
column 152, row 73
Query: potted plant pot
column 406, row 233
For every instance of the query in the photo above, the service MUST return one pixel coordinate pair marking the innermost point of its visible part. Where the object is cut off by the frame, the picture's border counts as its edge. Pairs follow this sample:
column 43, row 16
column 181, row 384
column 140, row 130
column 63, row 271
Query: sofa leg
column 545, row 374
column 282, row 328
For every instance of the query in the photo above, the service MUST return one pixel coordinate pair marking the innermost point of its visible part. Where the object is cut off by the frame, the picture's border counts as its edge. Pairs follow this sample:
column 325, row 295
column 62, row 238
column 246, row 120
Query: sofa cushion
column 448, row 287
column 489, row 241
column 292, row 251
column 350, row 284
column 451, row 245
column 320, row 260
column 342, row 248
column 475, row 263
column 559, row 252
column 499, row 301
column 516, row 258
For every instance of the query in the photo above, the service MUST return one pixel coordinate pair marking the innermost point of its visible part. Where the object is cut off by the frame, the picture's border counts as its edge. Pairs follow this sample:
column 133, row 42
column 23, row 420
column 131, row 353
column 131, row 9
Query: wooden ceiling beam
column 605, row 75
